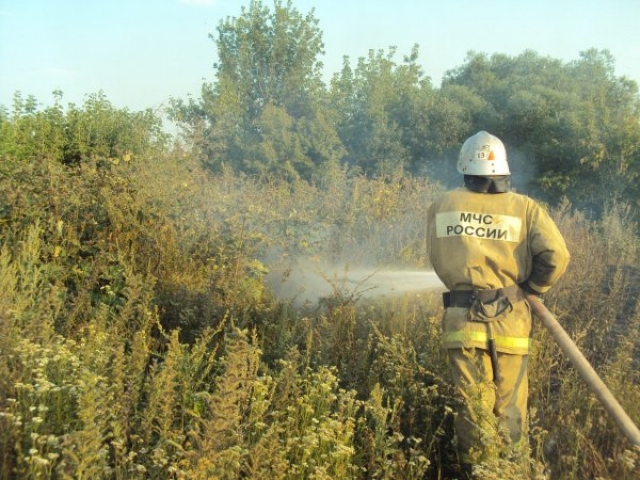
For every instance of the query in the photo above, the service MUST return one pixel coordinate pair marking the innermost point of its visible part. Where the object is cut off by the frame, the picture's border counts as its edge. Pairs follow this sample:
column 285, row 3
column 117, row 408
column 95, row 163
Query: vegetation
column 573, row 129
column 139, row 339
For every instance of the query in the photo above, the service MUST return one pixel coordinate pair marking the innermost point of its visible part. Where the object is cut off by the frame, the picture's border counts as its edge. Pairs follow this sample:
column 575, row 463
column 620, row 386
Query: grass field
column 142, row 333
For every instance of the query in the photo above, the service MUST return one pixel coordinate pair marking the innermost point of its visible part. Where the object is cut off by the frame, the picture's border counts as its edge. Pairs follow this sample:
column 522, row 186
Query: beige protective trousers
column 492, row 415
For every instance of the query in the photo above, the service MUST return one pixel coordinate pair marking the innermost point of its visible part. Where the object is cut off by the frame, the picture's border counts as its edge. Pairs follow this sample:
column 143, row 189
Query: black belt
column 464, row 298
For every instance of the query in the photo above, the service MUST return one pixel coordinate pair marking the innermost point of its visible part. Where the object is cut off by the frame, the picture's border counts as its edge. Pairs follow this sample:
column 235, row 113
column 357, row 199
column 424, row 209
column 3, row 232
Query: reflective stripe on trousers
column 502, row 341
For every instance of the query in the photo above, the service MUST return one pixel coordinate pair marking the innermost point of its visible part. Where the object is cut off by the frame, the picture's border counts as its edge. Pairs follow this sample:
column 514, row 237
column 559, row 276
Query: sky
column 140, row 53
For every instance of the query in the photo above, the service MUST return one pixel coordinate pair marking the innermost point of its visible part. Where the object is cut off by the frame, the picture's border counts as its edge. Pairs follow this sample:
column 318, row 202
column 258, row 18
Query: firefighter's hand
column 530, row 291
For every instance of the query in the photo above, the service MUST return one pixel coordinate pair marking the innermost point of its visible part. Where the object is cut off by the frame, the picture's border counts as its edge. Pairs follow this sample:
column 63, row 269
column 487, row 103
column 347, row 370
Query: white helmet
column 484, row 155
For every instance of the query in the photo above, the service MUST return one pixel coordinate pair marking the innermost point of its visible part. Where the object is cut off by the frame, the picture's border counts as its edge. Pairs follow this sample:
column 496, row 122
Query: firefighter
column 487, row 245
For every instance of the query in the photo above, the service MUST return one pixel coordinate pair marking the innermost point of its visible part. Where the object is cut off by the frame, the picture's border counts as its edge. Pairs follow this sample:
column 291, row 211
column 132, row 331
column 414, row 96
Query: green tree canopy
column 382, row 109
column 264, row 113
column 73, row 134
column 573, row 128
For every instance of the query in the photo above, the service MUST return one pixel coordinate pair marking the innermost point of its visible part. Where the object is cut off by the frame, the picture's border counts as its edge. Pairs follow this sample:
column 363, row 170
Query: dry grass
column 139, row 341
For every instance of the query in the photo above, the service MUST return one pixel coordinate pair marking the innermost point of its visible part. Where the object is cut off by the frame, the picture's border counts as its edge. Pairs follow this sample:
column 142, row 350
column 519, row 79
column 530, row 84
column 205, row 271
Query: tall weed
column 139, row 339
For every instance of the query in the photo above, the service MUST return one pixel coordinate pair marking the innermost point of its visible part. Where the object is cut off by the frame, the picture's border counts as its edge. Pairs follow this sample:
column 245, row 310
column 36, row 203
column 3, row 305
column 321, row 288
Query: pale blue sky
column 141, row 52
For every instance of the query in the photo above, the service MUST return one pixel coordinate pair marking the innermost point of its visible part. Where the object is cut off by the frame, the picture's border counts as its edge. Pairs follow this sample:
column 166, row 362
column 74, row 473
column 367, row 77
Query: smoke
column 524, row 172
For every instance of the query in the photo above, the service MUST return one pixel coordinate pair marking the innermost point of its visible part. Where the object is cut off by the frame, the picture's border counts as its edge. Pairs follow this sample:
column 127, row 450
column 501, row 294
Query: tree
column 29, row 133
column 453, row 114
column 99, row 130
column 382, row 109
column 73, row 134
column 268, row 93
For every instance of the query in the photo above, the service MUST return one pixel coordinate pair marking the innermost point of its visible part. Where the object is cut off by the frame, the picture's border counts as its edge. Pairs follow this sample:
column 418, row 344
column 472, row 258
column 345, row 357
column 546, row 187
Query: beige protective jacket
column 489, row 241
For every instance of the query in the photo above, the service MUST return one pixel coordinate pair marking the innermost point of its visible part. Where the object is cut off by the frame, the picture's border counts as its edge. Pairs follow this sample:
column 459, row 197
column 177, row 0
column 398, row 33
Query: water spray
column 308, row 284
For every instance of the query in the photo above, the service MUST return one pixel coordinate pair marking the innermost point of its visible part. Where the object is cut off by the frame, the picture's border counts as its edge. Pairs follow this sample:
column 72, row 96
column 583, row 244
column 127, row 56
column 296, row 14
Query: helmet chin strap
column 490, row 184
